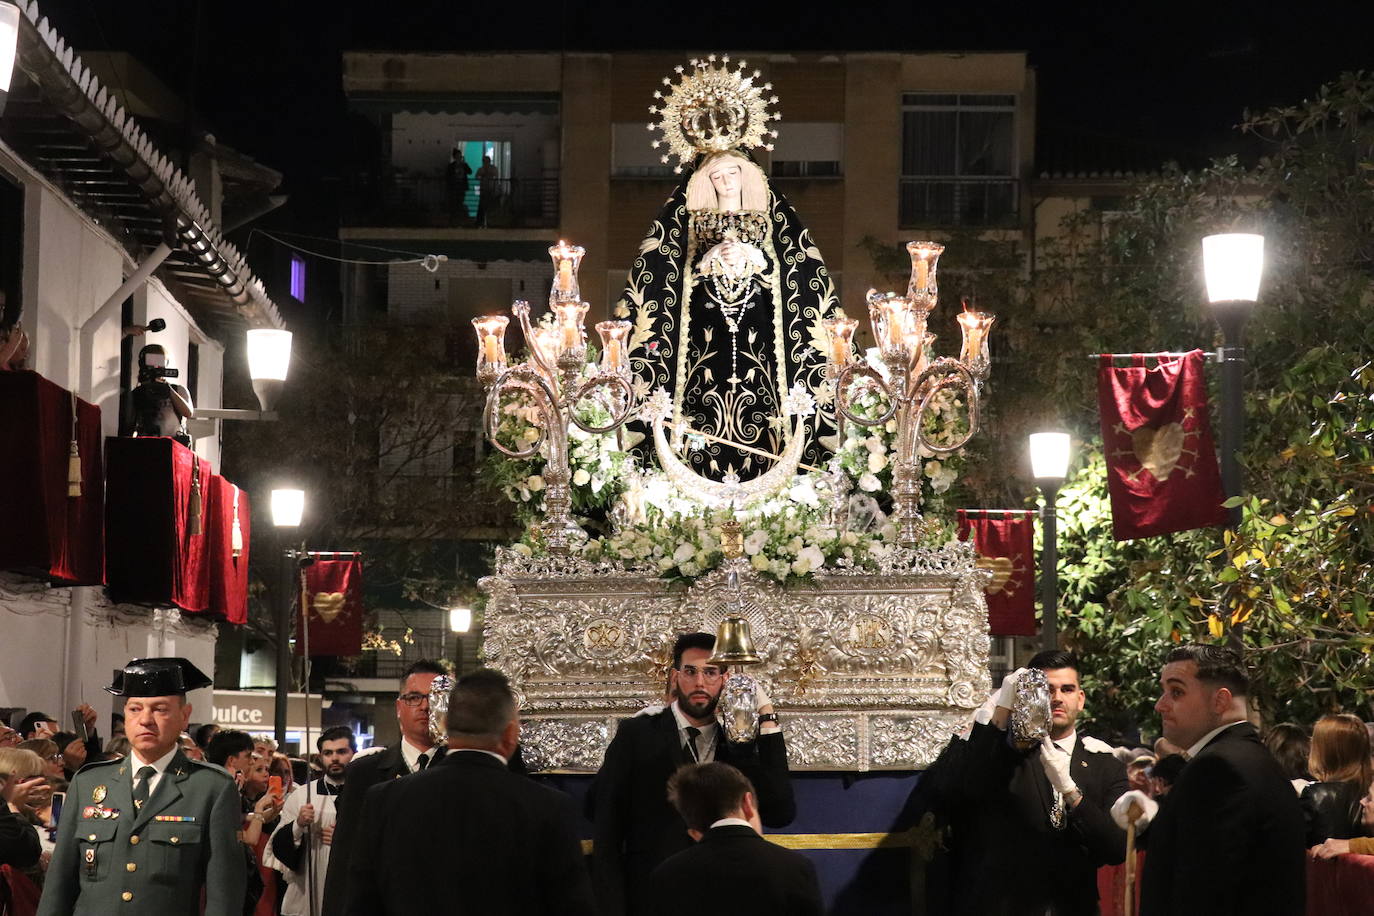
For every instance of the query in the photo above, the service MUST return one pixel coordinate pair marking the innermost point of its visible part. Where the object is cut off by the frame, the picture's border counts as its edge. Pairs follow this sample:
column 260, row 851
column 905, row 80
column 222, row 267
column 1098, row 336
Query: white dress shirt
column 1207, row 738
column 706, row 741
column 412, row 754
column 137, row 763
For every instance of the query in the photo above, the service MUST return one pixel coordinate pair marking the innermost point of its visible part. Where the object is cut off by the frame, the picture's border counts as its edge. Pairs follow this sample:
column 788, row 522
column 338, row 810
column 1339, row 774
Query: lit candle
column 489, row 350
column 976, row 327
column 613, row 355
column 565, row 276
column 491, row 330
column 839, row 331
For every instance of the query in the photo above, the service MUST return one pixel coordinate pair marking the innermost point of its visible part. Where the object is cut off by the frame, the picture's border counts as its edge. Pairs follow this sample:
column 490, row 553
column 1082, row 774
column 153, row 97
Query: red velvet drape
column 228, row 574
column 44, row 532
column 152, row 554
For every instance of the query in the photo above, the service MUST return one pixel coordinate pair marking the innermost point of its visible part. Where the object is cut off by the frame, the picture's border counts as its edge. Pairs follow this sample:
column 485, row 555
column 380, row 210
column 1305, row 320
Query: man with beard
column 636, row 826
column 300, row 847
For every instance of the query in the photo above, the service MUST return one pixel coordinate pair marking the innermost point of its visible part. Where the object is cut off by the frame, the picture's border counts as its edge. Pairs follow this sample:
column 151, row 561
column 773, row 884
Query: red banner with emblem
column 1161, row 462
column 333, row 595
column 1005, row 543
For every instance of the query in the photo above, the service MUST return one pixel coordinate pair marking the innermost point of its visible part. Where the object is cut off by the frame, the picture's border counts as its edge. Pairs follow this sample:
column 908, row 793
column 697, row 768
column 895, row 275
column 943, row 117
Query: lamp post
column 1049, row 465
column 287, row 508
column 459, row 622
column 269, row 358
column 1232, row 264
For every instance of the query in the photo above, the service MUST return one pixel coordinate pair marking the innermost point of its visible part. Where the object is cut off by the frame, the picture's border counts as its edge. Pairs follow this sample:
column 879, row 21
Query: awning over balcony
column 69, row 127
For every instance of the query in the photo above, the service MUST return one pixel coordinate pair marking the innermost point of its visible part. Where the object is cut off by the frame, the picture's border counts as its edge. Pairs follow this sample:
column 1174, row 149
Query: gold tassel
column 236, row 533
column 73, row 472
column 197, row 526
column 74, row 458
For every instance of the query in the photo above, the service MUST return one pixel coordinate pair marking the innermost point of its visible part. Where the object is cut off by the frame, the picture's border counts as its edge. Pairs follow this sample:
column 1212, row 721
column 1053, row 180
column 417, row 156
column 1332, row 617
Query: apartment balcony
column 990, row 203
column 431, row 202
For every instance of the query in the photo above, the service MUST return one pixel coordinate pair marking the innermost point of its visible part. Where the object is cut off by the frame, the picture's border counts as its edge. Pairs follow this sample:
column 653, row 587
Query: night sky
column 1145, row 78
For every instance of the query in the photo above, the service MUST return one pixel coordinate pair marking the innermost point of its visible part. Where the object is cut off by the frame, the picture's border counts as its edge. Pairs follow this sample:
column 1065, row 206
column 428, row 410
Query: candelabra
column 552, row 382
column 910, row 376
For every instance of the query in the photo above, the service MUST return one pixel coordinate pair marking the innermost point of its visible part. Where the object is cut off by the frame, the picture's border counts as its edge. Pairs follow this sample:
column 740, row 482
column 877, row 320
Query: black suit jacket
column 1228, row 838
column 750, row 873
column 637, row 828
column 467, row 836
column 1007, row 857
column 361, row 775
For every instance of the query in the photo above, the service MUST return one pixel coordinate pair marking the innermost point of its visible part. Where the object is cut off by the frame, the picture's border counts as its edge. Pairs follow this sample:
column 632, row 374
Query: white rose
column 535, row 483
column 597, row 484
column 754, row 542
column 684, row 553
column 666, row 564
column 849, row 539
column 530, row 434
column 794, row 546
column 932, row 469
column 876, row 461
column 690, row 569
column 891, row 426
column 581, row 478
column 811, row 558
column 759, row 562
column 869, row 484
column 805, row 493
column 875, row 445
column 522, row 549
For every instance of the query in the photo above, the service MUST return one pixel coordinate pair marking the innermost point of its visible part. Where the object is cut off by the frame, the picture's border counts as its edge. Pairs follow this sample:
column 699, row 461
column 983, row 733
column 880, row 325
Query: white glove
column 760, row 697
column 1007, row 693
column 1056, row 763
column 1148, row 804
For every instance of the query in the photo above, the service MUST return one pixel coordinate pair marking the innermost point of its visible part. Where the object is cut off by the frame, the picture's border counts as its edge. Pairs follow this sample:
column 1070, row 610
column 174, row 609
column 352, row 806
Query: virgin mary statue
column 728, row 291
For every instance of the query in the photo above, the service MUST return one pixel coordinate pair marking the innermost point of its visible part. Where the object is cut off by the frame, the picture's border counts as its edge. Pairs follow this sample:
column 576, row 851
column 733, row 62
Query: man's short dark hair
column 334, row 734
column 481, row 705
column 421, row 666
column 204, row 733
column 691, row 641
column 1217, row 666
column 62, row 739
column 703, row 793
column 1053, row 659
column 29, row 724
column 226, row 744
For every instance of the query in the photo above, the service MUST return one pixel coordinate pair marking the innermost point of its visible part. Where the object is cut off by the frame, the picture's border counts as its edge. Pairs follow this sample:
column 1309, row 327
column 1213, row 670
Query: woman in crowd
column 1290, row 745
column 54, row 767
column 1340, row 764
column 23, row 791
column 1360, row 845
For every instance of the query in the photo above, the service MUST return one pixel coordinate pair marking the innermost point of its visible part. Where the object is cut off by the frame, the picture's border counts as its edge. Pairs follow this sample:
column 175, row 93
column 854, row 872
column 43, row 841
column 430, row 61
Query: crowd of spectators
column 37, row 761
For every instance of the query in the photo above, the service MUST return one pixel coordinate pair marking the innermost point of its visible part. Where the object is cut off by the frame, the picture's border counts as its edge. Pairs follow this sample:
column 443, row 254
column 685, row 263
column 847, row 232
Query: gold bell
column 734, row 644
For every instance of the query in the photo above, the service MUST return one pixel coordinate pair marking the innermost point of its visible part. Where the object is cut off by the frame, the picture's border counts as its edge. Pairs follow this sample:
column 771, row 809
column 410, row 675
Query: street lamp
column 288, row 505
column 269, row 356
column 1049, row 465
column 460, row 622
column 1232, row 264
column 9, row 45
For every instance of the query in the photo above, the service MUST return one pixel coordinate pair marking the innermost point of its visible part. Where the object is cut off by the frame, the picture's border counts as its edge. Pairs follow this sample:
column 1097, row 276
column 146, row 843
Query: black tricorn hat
column 157, row 677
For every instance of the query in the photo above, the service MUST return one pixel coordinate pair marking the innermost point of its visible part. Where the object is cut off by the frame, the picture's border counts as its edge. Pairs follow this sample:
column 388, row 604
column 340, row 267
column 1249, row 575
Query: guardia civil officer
column 146, row 833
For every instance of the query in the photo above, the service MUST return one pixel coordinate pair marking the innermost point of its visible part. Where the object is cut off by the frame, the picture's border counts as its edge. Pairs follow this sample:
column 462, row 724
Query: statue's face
column 726, row 178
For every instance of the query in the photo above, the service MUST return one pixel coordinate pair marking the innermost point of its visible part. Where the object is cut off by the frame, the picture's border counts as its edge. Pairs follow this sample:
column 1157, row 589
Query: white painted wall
column 37, row 622
column 58, row 646
column 71, row 267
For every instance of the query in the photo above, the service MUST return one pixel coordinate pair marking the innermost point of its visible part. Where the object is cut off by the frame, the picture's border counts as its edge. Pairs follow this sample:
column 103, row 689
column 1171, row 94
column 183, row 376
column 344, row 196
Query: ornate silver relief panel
column 868, row 670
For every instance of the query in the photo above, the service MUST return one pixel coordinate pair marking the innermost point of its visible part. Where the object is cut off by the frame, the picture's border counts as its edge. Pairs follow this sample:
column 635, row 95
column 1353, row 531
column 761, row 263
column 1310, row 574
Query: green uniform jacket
column 113, row 859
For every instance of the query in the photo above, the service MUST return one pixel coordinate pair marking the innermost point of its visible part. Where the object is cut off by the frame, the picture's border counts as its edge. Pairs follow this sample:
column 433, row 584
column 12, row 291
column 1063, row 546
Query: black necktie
column 422, row 762
column 692, row 734
column 142, row 778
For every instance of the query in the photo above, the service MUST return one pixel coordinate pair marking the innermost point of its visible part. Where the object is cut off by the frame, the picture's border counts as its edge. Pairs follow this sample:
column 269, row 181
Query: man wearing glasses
column 636, row 826
column 413, row 753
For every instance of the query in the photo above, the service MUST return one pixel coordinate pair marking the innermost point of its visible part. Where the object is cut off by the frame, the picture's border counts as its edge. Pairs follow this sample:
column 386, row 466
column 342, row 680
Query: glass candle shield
column 615, row 338
column 491, row 342
column 922, row 289
column 839, row 334
column 566, row 261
